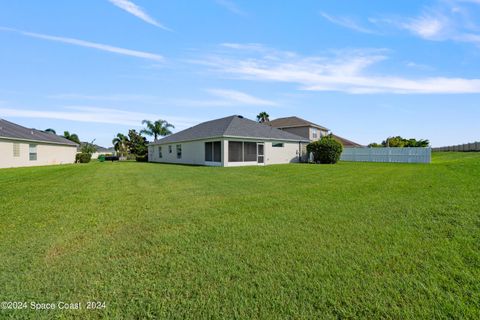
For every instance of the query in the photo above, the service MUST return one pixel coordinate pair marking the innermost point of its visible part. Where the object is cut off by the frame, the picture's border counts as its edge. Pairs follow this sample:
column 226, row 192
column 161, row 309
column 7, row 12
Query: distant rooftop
column 292, row 122
column 10, row 130
column 99, row 148
column 347, row 143
column 232, row 126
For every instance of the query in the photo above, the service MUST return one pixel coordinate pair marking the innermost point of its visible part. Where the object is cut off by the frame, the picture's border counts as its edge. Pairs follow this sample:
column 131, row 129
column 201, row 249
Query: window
column 179, row 151
column 32, row 150
column 235, row 151
column 208, row 151
column 169, row 149
column 160, row 152
column 16, row 149
column 249, row 151
column 217, row 151
column 314, row 133
column 277, row 144
column 213, row 151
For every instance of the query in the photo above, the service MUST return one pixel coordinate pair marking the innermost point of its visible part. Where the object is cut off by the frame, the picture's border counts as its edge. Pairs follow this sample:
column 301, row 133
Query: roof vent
column 241, row 117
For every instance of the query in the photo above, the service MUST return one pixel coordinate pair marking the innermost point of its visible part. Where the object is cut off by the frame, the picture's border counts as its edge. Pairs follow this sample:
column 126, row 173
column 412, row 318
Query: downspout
column 299, row 151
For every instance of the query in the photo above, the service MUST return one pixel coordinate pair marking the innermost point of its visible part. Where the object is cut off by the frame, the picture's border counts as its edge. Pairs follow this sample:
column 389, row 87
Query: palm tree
column 157, row 128
column 50, row 130
column 263, row 117
column 120, row 144
column 72, row 137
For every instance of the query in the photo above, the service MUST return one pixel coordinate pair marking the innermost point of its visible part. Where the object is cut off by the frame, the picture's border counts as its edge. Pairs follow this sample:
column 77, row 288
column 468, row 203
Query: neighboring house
column 307, row 129
column 300, row 127
column 100, row 150
column 230, row 141
column 22, row 147
column 347, row 143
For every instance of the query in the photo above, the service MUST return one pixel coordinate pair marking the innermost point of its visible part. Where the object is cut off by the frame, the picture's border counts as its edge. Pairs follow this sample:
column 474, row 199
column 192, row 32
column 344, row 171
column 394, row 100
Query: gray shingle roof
column 290, row 122
column 232, row 126
column 11, row 130
column 99, row 148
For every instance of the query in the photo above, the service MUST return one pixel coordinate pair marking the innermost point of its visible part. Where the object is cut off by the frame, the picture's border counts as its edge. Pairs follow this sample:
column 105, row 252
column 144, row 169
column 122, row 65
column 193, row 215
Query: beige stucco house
column 308, row 130
column 231, row 141
column 23, row 147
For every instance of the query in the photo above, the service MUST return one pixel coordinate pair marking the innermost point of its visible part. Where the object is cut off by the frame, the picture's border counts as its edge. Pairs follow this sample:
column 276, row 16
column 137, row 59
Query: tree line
column 131, row 144
column 136, row 145
column 399, row 142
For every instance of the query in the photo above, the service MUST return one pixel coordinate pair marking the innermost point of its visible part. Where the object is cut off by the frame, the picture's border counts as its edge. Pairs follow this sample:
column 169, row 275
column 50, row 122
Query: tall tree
column 157, row 128
column 120, row 143
column 72, row 137
column 137, row 144
column 263, row 117
column 50, row 130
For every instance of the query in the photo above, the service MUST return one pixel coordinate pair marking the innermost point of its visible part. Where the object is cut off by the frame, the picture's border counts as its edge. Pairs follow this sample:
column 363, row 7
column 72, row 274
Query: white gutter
column 42, row 141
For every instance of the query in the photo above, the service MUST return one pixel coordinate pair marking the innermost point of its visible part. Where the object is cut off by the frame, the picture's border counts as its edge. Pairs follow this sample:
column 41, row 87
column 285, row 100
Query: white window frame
column 16, row 150
column 32, row 152
column 160, row 155
column 179, row 151
column 314, row 133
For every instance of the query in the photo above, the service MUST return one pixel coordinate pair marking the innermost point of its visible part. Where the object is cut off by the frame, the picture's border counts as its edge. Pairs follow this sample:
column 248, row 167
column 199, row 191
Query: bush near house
column 83, row 157
column 327, row 150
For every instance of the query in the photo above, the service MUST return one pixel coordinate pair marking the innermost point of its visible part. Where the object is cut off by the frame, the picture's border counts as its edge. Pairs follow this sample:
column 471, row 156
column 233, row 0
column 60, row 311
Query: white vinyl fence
column 467, row 147
column 399, row 155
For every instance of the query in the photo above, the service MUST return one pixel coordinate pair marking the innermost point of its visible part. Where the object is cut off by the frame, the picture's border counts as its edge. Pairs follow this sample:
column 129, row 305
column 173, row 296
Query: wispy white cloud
column 97, row 115
column 431, row 27
column 347, row 22
column 231, row 6
column 106, row 97
column 87, row 44
column 138, row 12
column 448, row 20
column 350, row 72
column 224, row 98
column 220, row 98
column 238, row 97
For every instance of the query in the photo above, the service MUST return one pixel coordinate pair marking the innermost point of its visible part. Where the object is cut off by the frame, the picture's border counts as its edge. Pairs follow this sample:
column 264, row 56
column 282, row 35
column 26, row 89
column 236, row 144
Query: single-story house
column 23, row 147
column 308, row 130
column 100, row 150
column 230, row 141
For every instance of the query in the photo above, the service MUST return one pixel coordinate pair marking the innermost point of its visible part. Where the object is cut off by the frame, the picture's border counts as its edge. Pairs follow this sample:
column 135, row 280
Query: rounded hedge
column 326, row 150
column 83, row 157
column 101, row 158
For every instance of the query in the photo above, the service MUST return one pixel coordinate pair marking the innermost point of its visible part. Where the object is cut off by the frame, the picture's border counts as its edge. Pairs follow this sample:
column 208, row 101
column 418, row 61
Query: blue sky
column 364, row 69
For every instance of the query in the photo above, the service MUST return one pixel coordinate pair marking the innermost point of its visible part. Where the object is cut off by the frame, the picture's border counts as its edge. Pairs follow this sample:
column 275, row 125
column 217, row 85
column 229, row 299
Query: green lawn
column 296, row 241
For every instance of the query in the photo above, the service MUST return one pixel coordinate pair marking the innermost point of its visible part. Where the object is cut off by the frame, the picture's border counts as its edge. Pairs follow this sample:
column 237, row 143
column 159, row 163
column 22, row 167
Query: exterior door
column 260, row 153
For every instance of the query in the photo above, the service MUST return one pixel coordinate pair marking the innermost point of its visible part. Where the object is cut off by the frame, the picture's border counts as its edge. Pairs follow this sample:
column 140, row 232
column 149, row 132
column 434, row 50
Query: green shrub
column 326, row 150
column 83, row 157
column 101, row 158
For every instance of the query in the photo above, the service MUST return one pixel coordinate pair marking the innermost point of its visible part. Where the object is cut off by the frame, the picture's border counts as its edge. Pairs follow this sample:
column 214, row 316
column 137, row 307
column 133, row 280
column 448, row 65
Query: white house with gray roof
column 231, row 141
column 24, row 147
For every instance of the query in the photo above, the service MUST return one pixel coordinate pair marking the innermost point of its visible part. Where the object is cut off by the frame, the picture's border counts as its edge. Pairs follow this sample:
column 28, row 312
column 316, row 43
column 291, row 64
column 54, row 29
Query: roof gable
column 10, row 130
column 232, row 126
column 290, row 122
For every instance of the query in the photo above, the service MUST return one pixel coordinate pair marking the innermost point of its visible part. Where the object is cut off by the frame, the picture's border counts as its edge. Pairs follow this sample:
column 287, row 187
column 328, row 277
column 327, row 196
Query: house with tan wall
column 229, row 142
column 308, row 130
column 24, row 147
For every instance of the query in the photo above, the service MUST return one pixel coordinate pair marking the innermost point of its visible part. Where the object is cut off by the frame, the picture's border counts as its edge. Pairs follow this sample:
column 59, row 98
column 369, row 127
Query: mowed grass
column 295, row 241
